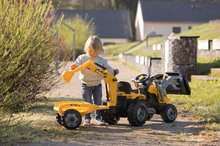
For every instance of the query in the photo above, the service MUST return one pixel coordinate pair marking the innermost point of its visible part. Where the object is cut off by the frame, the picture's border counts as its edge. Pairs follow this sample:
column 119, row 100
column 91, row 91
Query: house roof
column 108, row 23
column 179, row 11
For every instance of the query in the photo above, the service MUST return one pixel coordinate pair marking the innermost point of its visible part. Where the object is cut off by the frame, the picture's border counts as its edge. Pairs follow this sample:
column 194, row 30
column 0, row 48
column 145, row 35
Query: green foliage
column 27, row 51
column 83, row 29
column 204, row 65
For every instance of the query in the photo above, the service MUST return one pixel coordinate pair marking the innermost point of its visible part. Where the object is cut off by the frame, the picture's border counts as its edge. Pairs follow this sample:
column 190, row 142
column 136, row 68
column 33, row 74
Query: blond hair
column 95, row 43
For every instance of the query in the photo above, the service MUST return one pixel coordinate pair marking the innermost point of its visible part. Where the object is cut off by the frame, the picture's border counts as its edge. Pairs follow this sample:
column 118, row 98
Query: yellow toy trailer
column 138, row 105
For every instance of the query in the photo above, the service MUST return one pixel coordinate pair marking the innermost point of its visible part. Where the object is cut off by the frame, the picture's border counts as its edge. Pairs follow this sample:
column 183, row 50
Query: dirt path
column 184, row 131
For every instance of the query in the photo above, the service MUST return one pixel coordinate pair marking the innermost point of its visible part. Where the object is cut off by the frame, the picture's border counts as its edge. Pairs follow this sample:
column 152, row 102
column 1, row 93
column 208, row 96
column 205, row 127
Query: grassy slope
column 134, row 47
column 205, row 31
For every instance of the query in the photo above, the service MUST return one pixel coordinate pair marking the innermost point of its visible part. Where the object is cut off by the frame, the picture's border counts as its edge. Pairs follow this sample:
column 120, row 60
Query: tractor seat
column 125, row 87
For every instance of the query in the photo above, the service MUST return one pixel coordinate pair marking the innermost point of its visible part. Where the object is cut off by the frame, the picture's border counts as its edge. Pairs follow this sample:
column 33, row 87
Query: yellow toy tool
column 138, row 105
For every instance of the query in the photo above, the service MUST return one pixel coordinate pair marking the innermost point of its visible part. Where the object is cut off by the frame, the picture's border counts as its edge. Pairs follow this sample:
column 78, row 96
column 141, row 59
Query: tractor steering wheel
column 141, row 78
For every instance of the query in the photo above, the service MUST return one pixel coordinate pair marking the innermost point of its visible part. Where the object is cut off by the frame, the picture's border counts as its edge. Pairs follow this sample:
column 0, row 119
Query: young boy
column 91, row 82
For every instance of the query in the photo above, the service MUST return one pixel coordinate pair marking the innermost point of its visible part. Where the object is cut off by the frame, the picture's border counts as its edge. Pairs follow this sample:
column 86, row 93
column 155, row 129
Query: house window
column 176, row 29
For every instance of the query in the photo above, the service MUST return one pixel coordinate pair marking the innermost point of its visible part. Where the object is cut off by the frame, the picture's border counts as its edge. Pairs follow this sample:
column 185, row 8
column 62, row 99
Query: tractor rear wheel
column 71, row 119
column 137, row 113
column 110, row 118
column 168, row 113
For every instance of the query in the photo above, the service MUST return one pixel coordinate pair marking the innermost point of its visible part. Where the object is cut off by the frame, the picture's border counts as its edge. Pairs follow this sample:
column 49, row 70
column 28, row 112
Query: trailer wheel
column 169, row 113
column 71, row 119
column 59, row 119
column 110, row 118
column 137, row 113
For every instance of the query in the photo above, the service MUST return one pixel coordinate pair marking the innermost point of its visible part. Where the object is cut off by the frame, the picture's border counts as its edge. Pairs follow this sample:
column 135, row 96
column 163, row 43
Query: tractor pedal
column 151, row 111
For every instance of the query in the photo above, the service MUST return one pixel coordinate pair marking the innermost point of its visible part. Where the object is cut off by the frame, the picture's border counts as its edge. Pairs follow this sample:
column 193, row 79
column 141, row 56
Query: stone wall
column 179, row 54
column 210, row 54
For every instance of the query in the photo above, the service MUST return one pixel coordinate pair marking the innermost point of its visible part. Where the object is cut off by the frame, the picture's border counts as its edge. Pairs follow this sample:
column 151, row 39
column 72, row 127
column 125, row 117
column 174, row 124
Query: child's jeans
column 92, row 94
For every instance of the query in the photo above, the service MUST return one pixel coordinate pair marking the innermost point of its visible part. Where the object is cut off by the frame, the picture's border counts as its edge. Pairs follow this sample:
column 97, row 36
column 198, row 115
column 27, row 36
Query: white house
column 161, row 17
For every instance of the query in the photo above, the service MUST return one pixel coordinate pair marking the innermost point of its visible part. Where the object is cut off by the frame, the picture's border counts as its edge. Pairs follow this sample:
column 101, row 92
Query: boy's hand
column 116, row 71
column 73, row 66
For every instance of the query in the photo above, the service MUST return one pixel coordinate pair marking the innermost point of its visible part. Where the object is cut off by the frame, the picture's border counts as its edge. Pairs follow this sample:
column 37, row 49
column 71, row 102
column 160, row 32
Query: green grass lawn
column 206, row 31
column 204, row 101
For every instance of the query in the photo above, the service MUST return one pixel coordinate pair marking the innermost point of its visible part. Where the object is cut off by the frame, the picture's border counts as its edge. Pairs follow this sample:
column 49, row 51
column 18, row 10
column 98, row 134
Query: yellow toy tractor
column 138, row 105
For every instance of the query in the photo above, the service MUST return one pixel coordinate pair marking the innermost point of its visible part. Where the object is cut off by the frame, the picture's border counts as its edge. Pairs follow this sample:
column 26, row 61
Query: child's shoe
column 100, row 122
column 87, row 123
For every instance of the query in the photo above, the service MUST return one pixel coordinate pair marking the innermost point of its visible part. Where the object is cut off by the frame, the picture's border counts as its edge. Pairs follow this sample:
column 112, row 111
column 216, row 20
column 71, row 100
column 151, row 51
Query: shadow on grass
column 204, row 68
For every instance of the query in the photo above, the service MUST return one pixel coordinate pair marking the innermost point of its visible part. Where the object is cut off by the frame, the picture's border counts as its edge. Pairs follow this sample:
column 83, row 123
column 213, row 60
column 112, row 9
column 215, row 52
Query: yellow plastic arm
column 109, row 78
column 67, row 75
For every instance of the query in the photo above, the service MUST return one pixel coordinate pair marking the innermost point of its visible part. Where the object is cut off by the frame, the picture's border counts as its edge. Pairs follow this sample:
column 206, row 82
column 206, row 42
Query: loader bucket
column 182, row 87
column 67, row 75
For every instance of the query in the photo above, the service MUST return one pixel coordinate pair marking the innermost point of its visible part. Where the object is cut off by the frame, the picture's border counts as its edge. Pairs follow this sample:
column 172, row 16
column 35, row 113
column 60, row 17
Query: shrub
column 83, row 29
column 27, row 51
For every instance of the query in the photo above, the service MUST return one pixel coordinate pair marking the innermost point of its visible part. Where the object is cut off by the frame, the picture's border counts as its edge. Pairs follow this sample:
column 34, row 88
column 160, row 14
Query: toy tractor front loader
column 150, row 97
column 138, row 105
column 157, row 88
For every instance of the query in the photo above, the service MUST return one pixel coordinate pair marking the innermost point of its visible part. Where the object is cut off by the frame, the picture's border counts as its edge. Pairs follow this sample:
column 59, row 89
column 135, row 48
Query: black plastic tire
column 137, row 113
column 71, row 119
column 59, row 119
column 110, row 118
column 168, row 113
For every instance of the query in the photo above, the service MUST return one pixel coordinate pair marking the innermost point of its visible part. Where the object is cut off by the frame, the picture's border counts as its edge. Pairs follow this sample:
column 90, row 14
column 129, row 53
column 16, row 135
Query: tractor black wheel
column 149, row 116
column 59, row 119
column 168, row 113
column 110, row 118
column 71, row 119
column 137, row 113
